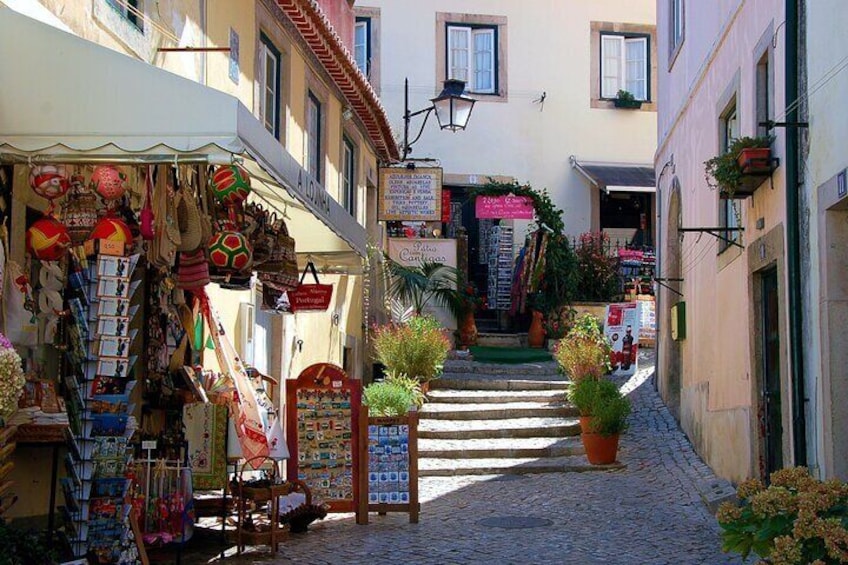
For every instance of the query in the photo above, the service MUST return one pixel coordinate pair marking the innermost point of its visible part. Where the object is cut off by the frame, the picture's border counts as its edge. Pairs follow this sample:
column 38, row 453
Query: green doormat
column 509, row 355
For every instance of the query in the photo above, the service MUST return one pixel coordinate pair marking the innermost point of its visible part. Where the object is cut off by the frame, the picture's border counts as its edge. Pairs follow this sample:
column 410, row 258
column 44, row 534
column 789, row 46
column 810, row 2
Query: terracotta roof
column 316, row 29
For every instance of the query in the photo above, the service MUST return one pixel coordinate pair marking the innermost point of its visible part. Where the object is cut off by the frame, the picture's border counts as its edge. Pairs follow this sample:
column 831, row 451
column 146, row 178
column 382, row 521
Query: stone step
column 492, row 339
column 498, row 382
column 436, row 467
column 452, row 396
column 507, row 448
column 466, row 366
column 500, row 411
column 487, row 429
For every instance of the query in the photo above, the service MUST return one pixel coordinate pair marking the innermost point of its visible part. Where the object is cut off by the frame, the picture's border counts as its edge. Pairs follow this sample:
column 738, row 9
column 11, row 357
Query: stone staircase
column 486, row 419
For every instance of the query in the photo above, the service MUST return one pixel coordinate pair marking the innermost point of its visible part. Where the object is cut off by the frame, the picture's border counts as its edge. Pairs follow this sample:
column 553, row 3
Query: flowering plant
column 584, row 353
column 598, row 271
column 796, row 520
column 12, row 378
column 416, row 349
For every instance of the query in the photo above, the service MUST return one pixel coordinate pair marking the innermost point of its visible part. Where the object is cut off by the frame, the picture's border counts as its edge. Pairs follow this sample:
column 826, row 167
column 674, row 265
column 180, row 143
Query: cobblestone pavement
column 651, row 512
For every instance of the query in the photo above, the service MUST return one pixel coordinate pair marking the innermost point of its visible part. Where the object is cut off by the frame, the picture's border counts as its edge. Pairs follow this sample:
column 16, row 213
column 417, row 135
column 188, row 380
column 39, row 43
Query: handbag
column 163, row 251
column 283, row 255
column 188, row 216
column 146, row 215
column 310, row 297
column 193, row 270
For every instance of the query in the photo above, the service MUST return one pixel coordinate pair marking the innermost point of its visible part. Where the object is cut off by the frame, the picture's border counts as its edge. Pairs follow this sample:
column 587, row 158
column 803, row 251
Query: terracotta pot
column 585, row 422
column 536, row 333
column 425, row 387
column 753, row 159
column 468, row 330
column 600, row 449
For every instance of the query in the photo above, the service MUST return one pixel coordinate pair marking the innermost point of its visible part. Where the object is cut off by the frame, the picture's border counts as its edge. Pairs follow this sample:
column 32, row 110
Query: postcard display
column 500, row 268
column 392, row 455
column 322, row 421
column 99, row 384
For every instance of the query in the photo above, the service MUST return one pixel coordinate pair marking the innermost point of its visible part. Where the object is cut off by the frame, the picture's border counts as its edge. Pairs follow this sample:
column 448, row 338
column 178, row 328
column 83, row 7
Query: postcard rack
column 98, row 366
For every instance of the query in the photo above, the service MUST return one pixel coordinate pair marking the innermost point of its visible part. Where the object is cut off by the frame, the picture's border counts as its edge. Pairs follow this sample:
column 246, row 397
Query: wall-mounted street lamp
column 452, row 111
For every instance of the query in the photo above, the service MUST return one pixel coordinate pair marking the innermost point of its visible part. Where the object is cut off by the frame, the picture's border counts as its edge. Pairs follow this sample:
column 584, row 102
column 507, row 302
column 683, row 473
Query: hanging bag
column 145, row 217
column 205, row 214
column 188, row 215
column 79, row 211
column 163, row 252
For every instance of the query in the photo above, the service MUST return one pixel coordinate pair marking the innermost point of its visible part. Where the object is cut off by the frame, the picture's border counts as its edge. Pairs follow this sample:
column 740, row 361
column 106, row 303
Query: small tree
column 418, row 286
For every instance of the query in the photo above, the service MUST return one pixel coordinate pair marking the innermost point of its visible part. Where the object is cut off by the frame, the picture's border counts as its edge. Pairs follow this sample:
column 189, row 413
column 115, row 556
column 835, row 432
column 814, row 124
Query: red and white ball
column 230, row 251
column 49, row 181
column 111, row 229
column 47, row 239
column 109, row 182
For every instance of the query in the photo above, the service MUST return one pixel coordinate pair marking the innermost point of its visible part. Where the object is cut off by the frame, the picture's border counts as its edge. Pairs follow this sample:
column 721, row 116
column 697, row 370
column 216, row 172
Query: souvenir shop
column 115, row 224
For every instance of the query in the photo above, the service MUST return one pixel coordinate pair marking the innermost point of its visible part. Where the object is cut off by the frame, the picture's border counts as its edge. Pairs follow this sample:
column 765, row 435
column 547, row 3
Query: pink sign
column 507, row 207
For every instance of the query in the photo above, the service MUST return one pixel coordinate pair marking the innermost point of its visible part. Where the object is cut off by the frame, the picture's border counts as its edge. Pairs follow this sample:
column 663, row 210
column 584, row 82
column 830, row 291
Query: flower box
column 627, row 104
column 755, row 160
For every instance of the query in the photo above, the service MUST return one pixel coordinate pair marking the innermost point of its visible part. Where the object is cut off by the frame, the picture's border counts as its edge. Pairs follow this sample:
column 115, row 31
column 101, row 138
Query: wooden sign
column 390, row 446
column 508, row 206
column 410, row 194
column 411, row 252
column 322, row 423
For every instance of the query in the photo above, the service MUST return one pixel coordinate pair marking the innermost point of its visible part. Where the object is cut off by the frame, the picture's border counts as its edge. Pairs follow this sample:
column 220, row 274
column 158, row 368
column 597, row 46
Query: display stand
column 99, row 386
column 322, row 419
column 259, row 509
column 500, row 268
column 391, row 452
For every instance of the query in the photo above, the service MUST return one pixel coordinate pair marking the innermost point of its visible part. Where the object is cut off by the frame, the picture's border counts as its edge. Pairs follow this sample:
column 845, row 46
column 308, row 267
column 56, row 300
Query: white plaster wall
column 827, row 157
column 548, row 50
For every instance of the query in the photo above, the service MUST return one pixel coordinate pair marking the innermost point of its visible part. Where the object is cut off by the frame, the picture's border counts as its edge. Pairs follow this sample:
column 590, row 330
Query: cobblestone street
column 651, row 512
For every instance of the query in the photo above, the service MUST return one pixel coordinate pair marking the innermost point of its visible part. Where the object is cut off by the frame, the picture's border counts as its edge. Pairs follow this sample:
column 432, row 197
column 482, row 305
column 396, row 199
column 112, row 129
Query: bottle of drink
column 627, row 349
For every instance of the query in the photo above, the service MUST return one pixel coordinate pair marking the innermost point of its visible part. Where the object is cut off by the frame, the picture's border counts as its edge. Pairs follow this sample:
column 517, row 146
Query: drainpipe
column 793, row 244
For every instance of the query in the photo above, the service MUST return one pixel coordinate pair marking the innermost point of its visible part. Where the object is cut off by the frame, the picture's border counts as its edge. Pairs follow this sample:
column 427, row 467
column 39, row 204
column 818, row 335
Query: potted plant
column 584, row 393
column 464, row 301
column 797, row 519
column 625, row 99
column 418, row 286
column 388, row 398
column 584, row 353
column 416, row 348
column 740, row 171
column 609, row 420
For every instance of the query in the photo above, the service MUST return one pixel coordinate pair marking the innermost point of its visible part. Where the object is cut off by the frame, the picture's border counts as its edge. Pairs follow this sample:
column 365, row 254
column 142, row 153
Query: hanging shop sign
column 506, row 207
column 412, row 252
column 322, row 417
column 411, row 194
column 310, row 297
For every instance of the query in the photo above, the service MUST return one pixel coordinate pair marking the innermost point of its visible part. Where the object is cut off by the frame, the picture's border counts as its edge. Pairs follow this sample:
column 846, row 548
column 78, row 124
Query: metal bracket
column 716, row 233
column 661, row 282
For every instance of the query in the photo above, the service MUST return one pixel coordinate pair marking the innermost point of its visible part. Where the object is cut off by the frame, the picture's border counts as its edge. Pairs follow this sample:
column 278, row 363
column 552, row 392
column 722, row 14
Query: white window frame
column 614, row 49
column 269, row 117
column 677, row 25
column 134, row 19
column 349, row 175
column 472, row 72
column 730, row 215
column 362, row 46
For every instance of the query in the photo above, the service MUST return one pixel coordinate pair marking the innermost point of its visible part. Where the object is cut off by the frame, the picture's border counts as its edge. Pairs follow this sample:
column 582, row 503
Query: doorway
column 771, row 410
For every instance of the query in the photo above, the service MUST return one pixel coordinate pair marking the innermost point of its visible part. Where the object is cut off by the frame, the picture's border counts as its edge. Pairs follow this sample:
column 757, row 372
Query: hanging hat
column 230, row 184
column 230, row 250
column 49, row 181
column 47, row 239
column 109, row 182
column 112, row 229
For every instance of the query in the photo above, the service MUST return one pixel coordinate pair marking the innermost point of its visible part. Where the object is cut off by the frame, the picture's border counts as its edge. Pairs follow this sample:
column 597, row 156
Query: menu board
column 322, row 420
column 410, row 194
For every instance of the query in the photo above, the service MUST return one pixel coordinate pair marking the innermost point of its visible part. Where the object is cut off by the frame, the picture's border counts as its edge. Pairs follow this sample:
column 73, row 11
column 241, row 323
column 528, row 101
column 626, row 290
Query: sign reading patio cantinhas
column 413, row 252
column 411, row 194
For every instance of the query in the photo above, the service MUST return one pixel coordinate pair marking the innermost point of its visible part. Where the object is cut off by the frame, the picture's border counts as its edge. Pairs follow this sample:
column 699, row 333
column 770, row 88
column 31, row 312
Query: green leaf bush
column 417, row 348
column 584, row 353
column 387, row 398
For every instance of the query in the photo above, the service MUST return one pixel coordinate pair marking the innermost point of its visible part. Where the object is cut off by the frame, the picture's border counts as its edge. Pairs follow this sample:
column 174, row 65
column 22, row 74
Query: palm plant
column 417, row 286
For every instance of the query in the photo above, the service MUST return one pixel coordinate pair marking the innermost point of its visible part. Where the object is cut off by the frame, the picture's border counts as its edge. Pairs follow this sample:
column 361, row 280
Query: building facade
column 545, row 76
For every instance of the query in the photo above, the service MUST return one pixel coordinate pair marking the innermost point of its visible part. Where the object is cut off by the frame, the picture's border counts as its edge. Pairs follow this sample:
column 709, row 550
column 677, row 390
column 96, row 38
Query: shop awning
column 612, row 177
column 67, row 99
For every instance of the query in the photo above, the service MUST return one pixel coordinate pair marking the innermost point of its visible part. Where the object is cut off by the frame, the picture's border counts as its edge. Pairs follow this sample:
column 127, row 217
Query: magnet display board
column 392, row 455
column 322, row 422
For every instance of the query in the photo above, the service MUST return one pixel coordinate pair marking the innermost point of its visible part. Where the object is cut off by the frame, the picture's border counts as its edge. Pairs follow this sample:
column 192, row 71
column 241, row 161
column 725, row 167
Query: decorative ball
column 230, row 184
column 109, row 182
column 49, row 181
column 47, row 239
column 230, row 251
column 112, row 229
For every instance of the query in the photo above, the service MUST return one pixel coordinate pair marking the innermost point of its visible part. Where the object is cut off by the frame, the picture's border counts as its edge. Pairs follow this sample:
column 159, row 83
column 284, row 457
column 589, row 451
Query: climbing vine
column 559, row 281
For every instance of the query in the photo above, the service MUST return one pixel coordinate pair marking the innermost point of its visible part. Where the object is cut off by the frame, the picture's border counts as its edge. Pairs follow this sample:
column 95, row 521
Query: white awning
column 616, row 177
column 68, row 99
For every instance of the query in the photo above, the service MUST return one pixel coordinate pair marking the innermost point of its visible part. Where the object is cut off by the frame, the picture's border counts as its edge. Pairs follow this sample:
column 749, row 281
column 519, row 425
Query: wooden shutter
column 459, row 45
column 612, row 62
column 636, row 67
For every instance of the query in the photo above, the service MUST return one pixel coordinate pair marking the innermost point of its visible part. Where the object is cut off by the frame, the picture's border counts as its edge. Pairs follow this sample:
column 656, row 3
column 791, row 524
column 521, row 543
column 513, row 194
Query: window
column 471, row 57
column 349, row 176
column 362, row 45
column 764, row 93
column 676, row 27
column 131, row 10
column 729, row 214
column 624, row 65
column 269, row 99
column 313, row 137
